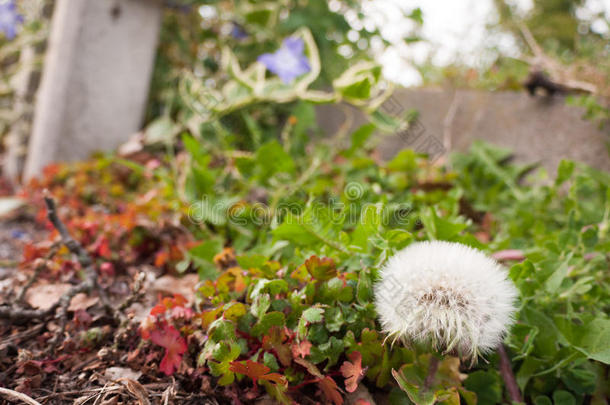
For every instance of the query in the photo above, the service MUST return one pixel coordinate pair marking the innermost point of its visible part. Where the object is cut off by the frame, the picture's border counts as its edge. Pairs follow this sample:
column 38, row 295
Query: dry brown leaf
column 43, row 296
column 184, row 286
column 117, row 373
column 137, row 390
column 82, row 301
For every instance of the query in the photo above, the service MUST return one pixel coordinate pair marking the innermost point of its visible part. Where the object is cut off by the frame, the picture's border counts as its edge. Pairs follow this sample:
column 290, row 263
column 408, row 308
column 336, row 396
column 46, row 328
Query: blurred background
column 78, row 76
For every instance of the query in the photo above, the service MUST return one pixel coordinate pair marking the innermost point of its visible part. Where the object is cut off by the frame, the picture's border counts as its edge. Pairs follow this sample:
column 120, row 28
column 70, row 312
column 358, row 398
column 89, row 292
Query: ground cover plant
column 270, row 239
column 285, row 303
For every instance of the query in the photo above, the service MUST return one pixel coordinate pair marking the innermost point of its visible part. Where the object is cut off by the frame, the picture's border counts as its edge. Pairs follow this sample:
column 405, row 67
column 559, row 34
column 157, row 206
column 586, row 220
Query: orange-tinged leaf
column 322, row 269
column 161, row 258
column 175, row 345
column 207, row 317
column 256, row 371
column 275, row 341
column 330, row 390
column 352, row 371
column 158, row 309
column 311, row 368
column 301, row 349
column 226, row 258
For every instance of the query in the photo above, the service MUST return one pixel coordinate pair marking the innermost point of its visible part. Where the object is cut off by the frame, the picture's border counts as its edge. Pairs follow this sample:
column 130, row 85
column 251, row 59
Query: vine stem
column 432, row 369
column 506, row 371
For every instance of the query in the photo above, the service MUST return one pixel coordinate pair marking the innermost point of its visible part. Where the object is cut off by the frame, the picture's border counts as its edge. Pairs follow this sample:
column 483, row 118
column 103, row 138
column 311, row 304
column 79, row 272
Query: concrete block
column 96, row 78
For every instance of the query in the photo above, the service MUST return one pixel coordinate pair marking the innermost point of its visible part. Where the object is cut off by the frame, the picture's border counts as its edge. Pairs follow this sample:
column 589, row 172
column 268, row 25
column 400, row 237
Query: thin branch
column 39, row 268
column 85, row 261
column 506, row 371
column 19, row 396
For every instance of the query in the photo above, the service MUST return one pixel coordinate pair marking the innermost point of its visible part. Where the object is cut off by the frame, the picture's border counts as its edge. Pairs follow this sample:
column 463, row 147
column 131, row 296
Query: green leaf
column 251, row 261
column 359, row 137
column 417, row 15
column 561, row 397
column 564, row 171
column 270, row 361
column 593, row 340
column 261, row 304
column 542, row 400
column 222, row 330
column 487, row 386
column 440, row 228
column 267, row 321
column 404, row 161
column 333, row 319
column 294, row 232
column 203, row 255
column 364, row 289
column 271, row 159
column 310, row 315
column 415, row 393
column 554, row 281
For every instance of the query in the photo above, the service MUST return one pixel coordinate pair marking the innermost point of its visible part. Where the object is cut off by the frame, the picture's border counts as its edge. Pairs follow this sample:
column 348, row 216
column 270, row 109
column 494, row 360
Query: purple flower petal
column 238, row 32
column 10, row 19
column 288, row 62
column 296, row 45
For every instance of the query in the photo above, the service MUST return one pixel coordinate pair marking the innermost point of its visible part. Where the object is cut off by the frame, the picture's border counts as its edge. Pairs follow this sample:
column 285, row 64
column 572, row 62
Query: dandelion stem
column 432, row 368
column 506, row 371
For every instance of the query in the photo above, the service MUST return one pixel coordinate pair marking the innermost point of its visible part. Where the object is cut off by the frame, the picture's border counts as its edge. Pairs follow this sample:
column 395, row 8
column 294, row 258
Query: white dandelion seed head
column 446, row 296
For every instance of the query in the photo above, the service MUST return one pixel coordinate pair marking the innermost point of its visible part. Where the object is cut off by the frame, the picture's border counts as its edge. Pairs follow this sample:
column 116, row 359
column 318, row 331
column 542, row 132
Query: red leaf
column 301, row 349
column 174, row 345
column 353, row 371
column 256, row 371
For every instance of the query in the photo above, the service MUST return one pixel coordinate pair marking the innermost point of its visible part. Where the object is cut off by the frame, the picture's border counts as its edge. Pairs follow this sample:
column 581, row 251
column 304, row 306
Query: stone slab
column 537, row 129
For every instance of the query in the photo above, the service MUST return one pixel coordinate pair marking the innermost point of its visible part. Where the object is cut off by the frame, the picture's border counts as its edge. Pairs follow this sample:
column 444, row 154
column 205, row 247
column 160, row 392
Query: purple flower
column 288, row 62
column 238, row 32
column 9, row 19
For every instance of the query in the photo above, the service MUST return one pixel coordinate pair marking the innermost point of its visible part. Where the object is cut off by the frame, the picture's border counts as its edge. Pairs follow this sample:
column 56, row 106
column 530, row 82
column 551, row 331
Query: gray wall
column 537, row 129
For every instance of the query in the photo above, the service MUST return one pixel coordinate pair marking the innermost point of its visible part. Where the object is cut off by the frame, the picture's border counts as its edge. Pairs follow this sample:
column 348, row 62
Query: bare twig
column 448, row 121
column 39, row 267
column 85, row 261
column 18, row 395
column 506, row 371
column 559, row 75
column 136, row 292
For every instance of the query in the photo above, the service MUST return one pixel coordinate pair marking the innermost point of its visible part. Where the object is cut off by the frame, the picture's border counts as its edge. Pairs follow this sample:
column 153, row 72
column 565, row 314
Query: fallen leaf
column 116, row 373
column 82, row 301
column 137, row 390
column 43, row 296
column 10, row 204
column 169, row 285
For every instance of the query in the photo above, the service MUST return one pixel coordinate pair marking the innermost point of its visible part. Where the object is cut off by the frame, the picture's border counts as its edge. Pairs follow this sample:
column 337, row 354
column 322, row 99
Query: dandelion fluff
column 446, row 296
